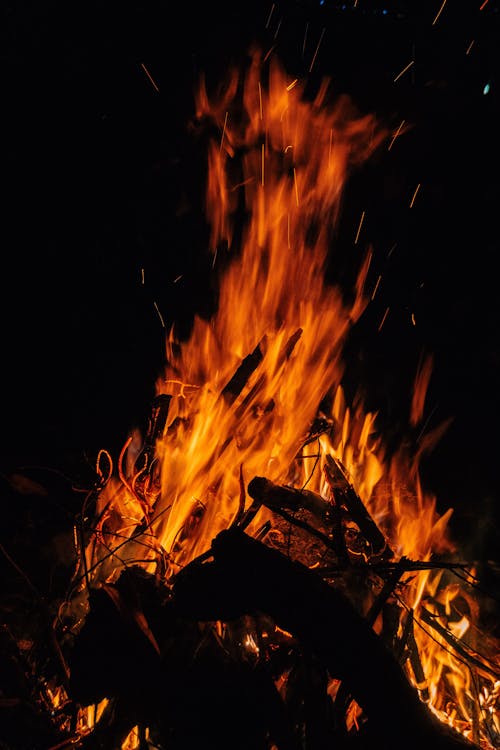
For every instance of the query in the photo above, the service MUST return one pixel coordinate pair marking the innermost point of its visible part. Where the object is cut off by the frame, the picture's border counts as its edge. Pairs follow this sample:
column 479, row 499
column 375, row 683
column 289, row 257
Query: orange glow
column 275, row 308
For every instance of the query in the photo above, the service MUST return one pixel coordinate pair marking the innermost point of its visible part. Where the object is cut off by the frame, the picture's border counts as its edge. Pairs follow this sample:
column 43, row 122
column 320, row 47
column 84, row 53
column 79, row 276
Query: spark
column 262, row 164
column 278, row 27
column 150, row 78
column 292, row 84
column 383, row 319
column 270, row 15
column 396, row 135
column 392, row 250
column 178, row 278
column 304, row 42
column 159, row 314
column 223, row 131
column 245, row 182
column 330, row 148
column 142, row 276
column 404, row 70
column 261, row 112
column 296, row 186
column 413, row 320
column 317, row 49
column 483, row 5
column 414, row 195
column 439, row 12
column 269, row 53
column 376, row 287
column 359, row 227
column 470, row 47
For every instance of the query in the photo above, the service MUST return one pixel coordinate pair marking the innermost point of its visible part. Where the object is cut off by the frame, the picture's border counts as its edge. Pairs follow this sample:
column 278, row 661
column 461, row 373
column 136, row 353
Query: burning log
column 345, row 494
column 246, row 576
column 235, row 385
column 171, row 674
column 276, row 497
column 345, row 504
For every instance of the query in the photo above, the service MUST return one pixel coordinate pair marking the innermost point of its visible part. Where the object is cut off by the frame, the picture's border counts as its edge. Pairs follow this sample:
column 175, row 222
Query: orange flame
column 276, row 172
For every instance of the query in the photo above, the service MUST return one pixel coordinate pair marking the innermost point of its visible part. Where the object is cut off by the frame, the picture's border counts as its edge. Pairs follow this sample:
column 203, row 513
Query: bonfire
column 258, row 570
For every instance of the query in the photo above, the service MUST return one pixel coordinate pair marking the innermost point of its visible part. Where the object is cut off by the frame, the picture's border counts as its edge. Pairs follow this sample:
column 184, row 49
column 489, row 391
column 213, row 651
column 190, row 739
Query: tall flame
column 245, row 388
column 294, row 157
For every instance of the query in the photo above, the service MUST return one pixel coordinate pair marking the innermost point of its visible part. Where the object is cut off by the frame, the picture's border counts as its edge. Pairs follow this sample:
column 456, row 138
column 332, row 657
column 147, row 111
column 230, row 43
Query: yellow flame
column 281, row 159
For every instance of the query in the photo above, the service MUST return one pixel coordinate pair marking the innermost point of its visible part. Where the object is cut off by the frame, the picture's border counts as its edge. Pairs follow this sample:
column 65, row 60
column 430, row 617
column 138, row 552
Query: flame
column 246, row 386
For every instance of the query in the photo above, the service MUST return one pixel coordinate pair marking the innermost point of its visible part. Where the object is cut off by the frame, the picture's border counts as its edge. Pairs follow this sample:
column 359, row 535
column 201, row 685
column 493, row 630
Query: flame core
column 246, row 387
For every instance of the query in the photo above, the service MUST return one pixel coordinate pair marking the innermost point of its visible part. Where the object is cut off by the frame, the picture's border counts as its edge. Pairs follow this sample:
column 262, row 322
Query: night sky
column 103, row 178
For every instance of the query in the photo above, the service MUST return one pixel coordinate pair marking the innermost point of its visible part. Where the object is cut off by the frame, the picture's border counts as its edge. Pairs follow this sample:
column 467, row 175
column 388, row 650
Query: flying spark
column 270, row 15
column 296, row 186
column 470, row 47
column 414, row 195
column 383, row 319
column 305, row 38
column 404, row 70
column 376, row 287
column 439, row 12
column 317, row 49
column 223, row 132
column 159, row 315
column 359, row 228
column 150, row 78
column 396, row 135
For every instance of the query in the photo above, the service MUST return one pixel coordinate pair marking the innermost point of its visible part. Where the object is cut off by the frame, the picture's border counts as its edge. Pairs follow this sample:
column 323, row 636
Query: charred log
column 171, row 674
column 346, row 495
column 247, row 576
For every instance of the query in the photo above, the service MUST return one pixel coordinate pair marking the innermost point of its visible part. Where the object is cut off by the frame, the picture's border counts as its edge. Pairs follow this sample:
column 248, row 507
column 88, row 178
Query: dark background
column 102, row 178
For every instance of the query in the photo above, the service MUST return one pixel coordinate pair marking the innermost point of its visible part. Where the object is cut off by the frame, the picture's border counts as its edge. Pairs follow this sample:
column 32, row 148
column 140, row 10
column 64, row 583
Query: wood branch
column 277, row 497
column 248, row 365
column 193, row 693
column 346, row 494
column 416, row 663
column 145, row 459
column 247, row 576
column 386, row 591
column 457, row 645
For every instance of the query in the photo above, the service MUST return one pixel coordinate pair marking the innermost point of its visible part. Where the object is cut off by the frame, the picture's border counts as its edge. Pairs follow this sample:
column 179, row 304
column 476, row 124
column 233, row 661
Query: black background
column 102, row 178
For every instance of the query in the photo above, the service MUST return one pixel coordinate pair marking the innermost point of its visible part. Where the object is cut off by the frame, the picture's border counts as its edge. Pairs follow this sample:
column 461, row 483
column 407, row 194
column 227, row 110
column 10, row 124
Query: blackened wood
column 156, row 426
column 249, row 364
column 461, row 648
column 416, row 664
column 276, row 497
column 387, row 589
column 346, row 494
column 246, row 576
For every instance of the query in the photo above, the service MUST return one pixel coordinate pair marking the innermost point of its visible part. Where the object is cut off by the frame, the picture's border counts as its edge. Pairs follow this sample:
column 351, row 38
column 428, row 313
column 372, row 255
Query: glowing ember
column 241, row 398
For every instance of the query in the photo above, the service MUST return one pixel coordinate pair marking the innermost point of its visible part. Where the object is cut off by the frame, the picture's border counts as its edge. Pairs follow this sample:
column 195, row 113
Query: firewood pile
column 263, row 642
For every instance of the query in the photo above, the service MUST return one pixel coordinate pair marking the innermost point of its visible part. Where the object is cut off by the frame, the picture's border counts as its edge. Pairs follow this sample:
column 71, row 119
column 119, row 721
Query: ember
column 258, row 559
